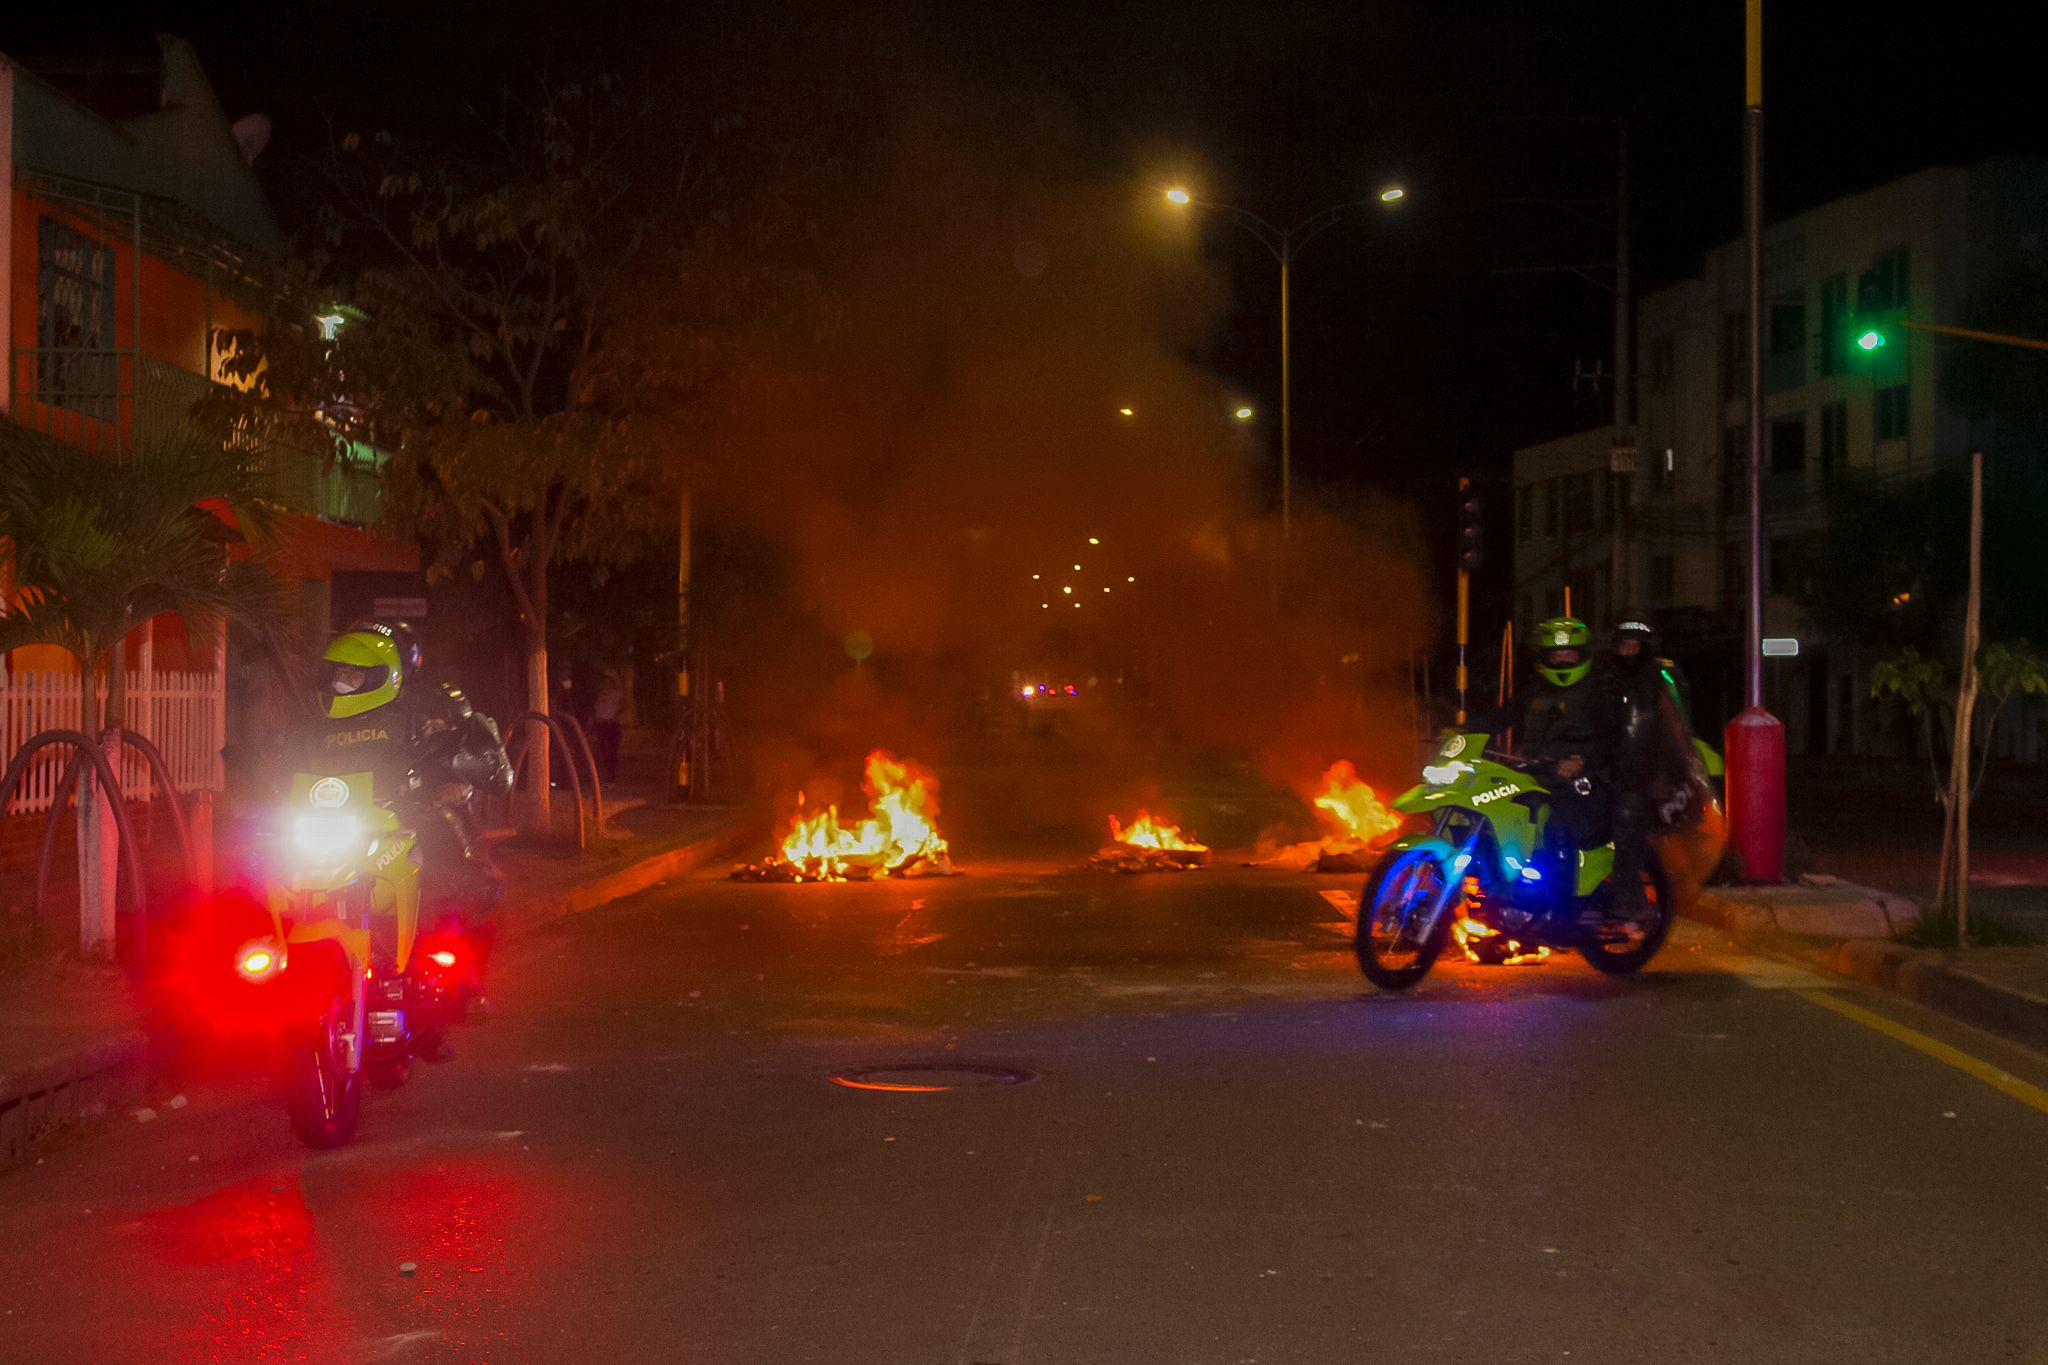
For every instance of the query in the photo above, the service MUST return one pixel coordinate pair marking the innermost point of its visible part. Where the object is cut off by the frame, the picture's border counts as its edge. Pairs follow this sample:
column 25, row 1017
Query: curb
column 112, row 1072
column 522, row 914
column 1924, row 976
column 69, row 1087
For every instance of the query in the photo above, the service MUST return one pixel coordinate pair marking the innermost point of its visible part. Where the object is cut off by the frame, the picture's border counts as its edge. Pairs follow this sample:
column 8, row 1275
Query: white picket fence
column 183, row 713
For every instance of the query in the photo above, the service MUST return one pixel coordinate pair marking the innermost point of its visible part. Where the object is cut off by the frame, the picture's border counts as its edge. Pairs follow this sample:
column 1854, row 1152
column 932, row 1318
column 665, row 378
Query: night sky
column 1413, row 356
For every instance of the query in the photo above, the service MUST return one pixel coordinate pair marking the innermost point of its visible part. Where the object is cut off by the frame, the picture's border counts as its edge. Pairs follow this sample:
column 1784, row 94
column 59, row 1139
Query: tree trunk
column 98, row 854
column 117, row 687
column 539, row 805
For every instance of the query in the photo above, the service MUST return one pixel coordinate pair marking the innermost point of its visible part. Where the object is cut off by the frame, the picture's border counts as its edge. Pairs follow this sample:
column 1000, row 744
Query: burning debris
column 1355, row 821
column 899, row 837
column 1149, row 845
column 1484, row 944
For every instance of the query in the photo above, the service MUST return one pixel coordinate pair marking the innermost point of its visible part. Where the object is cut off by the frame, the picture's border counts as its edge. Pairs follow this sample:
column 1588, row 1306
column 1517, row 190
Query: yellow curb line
column 2033, row 1096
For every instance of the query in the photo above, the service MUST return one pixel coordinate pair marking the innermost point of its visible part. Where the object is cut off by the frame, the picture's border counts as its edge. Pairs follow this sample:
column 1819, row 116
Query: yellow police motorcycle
column 356, row 990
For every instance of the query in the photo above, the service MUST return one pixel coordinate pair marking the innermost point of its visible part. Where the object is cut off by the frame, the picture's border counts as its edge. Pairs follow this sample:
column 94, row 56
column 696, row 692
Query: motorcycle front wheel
column 1638, row 941
column 322, row 1096
column 1396, row 899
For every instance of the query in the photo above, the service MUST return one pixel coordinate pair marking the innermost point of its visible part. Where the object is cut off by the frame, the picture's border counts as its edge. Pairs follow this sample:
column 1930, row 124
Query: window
column 75, row 321
column 1734, row 353
column 1663, row 580
column 1834, row 316
column 1665, row 474
column 1551, row 506
column 1779, row 565
column 1893, row 415
column 1734, row 466
column 1885, row 285
column 1581, row 510
column 1834, row 438
column 1788, row 445
column 1788, row 323
column 1525, row 512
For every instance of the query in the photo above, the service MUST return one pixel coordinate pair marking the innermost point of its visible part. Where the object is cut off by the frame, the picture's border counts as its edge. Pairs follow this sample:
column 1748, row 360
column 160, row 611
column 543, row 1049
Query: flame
column 1476, row 940
column 1351, row 806
column 1146, row 832
column 1353, row 816
column 903, row 803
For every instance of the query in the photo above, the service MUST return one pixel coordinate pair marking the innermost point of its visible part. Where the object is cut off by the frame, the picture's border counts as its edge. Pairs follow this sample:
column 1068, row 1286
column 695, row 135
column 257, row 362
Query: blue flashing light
column 1530, row 874
column 1461, row 862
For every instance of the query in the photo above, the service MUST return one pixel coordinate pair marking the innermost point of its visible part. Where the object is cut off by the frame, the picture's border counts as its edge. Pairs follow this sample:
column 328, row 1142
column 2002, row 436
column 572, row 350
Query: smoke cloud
column 951, row 474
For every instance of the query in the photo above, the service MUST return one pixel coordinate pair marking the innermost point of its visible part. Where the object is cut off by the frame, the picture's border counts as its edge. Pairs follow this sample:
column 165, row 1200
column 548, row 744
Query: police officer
column 1564, row 725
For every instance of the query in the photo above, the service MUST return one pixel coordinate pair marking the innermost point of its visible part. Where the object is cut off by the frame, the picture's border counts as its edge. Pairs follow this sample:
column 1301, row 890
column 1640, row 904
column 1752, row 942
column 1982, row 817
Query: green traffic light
column 1870, row 340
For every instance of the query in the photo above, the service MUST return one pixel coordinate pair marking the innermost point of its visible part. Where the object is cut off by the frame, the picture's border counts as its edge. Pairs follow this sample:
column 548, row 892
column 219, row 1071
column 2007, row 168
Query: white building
column 1662, row 524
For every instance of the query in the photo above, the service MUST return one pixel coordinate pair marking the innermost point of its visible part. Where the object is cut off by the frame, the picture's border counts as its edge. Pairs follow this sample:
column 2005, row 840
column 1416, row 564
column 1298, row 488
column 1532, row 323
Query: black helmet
column 1638, row 626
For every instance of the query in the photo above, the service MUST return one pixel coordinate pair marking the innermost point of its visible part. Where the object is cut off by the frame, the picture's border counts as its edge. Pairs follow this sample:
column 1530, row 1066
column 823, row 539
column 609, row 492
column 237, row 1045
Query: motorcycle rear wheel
column 323, row 1098
column 1621, row 959
column 1404, row 885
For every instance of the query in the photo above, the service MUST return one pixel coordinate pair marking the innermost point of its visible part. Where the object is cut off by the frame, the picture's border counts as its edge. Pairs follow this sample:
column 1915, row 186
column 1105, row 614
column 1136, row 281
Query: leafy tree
column 99, row 547
column 535, row 322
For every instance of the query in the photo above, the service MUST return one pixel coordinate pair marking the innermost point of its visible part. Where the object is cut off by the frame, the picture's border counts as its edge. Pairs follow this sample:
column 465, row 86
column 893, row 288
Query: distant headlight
column 331, row 835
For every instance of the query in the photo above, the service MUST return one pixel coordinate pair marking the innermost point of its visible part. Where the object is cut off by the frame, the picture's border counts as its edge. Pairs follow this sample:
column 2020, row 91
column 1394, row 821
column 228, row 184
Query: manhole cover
column 929, row 1078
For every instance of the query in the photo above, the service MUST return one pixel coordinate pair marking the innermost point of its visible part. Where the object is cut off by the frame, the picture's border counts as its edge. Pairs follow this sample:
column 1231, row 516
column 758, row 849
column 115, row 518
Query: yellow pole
column 1464, row 608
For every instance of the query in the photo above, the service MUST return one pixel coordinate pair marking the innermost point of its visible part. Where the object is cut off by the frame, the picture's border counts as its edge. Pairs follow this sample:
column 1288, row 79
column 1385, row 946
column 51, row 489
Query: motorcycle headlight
column 331, row 835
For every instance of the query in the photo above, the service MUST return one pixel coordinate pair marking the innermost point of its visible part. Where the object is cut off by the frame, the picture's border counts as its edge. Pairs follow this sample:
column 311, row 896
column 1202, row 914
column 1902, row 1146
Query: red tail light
column 259, row 961
column 442, row 958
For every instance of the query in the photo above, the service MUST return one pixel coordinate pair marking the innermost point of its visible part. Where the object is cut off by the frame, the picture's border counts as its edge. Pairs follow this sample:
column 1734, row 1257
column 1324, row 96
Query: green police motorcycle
column 1483, row 873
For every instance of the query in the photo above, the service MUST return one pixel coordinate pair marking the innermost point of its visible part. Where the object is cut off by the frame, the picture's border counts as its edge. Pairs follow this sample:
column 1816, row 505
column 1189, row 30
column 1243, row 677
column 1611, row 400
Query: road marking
column 2032, row 1096
column 1346, row 904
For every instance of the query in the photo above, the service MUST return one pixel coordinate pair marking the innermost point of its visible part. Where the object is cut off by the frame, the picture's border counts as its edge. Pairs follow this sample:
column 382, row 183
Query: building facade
column 132, row 227
column 1661, row 522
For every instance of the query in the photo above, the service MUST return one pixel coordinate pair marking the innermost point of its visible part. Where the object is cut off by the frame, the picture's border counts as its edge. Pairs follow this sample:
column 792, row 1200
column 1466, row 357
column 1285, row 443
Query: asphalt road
column 1229, row 1149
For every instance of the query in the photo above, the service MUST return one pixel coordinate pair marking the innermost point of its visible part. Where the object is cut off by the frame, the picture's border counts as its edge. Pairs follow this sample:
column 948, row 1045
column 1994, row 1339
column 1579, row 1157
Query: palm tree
column 97, row 547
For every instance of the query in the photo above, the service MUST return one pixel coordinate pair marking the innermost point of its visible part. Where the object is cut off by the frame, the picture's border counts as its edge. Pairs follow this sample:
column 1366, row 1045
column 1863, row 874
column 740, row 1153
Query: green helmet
column 1564, row 650
column 364, row 670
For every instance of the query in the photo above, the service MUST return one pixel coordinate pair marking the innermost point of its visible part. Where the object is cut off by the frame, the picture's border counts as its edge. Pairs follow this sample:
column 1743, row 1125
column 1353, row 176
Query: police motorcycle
column 356, row 984
column 1483, row 865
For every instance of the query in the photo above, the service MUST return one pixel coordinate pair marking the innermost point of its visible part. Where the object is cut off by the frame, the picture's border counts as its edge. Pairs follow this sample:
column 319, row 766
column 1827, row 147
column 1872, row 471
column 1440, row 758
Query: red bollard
column 1756, row 793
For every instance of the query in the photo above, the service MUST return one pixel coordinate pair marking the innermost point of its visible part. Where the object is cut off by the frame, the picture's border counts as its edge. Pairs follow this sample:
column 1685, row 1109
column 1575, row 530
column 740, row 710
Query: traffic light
column 1869, row 338
column 1471, row 534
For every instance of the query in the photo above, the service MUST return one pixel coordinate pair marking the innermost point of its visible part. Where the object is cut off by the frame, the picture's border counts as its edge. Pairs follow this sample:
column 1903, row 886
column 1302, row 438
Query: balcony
column 107, row 400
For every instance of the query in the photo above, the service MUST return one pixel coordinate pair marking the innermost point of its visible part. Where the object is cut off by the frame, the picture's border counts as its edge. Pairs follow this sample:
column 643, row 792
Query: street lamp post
column 1283, row 244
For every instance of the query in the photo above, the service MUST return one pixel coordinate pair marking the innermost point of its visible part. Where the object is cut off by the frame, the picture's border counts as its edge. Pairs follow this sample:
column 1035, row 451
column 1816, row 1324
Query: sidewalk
column 1845, row 928
column 73, row 1040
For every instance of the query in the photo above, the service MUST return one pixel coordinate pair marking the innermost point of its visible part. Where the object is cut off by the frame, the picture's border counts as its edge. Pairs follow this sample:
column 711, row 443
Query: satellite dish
column 252, row 134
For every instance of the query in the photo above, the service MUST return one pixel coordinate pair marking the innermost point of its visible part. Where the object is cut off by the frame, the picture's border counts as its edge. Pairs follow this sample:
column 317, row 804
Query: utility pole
column 1466, row 556
column 1286, row 400
column 1755, row 739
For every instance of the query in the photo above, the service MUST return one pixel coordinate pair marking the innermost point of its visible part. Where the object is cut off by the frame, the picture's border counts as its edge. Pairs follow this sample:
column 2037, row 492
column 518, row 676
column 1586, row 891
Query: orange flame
column 903, row 804
column 1482, row 942
column 1146, row 832
column 1351, row 806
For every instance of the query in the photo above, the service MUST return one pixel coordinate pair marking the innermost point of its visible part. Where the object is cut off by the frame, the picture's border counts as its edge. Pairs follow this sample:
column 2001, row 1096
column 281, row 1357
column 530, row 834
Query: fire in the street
column 899, row 838
column 1352, row 806
column 1354, row 819
column 1484, row 943
column 1149, row 844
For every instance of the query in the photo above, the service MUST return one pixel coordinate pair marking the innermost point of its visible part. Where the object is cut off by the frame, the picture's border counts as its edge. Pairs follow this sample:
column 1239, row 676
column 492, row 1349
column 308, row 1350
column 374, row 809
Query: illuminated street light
column 1243, row 414
column 1126, row 412
column 1283, row 244
column 1067, row 590
column 1093, row 541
